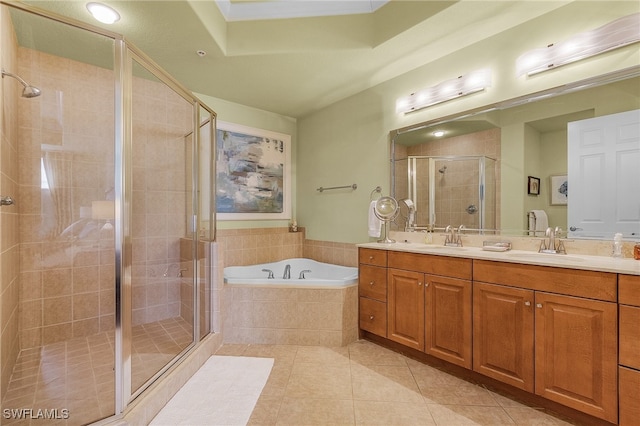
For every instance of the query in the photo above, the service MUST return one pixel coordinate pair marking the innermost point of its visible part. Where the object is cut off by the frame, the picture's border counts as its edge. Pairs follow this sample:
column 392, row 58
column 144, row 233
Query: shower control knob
column 5, row 200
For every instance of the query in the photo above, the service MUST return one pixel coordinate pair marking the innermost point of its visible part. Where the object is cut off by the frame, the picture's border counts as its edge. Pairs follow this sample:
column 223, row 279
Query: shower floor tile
column 78, row 374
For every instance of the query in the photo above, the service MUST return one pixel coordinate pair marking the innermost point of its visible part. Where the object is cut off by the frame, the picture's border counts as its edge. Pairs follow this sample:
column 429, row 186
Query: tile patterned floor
column 364, row 383
column 78, row 375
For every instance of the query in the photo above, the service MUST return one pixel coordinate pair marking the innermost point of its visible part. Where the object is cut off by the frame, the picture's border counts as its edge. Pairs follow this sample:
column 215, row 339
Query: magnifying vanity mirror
column 489, row 168
column 386, row 209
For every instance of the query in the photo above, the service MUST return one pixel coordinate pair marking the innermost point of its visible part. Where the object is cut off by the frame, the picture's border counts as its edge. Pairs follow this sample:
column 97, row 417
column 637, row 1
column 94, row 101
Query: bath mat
column 224, row 391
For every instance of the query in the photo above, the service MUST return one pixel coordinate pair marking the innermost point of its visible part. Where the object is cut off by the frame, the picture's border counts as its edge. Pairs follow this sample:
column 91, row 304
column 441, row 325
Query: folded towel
column 538, row 222
column 375, row 224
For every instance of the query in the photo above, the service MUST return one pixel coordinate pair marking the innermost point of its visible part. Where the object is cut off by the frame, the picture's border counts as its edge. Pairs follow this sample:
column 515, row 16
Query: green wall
column 348, row 141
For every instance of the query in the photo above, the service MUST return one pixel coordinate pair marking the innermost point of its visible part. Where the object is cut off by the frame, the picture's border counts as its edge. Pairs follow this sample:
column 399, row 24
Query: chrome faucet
column 302, row 277
column 270, row 277
column 451, row 239
column 287, row 272
column 553, row 244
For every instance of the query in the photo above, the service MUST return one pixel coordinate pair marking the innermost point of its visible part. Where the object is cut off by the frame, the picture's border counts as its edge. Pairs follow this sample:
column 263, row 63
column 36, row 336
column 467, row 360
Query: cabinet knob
column 527, row 303
column 371, row 317
column 538, row 305
column 419, row 283
column 426, row 284
column 371, row 283
column 370, row 257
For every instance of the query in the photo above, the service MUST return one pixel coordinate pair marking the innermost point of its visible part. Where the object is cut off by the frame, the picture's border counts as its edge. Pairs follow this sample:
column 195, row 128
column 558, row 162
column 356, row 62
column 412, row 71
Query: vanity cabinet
column 552, row 331
column 503, row 334
column 429, row 305
column 372, row 291
column 629, row 359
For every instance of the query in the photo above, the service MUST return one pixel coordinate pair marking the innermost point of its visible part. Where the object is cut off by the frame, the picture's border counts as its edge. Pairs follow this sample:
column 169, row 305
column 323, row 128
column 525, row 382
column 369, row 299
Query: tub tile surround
column 326, row 317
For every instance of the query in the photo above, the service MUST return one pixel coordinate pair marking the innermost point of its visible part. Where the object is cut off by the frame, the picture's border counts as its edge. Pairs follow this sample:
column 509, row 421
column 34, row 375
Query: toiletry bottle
column 617, row 245
column 636, row 251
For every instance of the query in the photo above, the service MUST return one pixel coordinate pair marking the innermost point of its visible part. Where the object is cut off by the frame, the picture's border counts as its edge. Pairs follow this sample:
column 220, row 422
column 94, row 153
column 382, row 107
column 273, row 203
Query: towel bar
column 352, row 186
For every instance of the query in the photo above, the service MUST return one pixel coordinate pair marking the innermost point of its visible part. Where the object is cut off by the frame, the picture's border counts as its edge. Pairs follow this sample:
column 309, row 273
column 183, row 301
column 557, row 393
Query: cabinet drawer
column 372, row 282
column 372, row 257
column 373, row 316
column 571, row 282
column 454, row 267
column 629, row 336
column 629, row 402
column 629, row 289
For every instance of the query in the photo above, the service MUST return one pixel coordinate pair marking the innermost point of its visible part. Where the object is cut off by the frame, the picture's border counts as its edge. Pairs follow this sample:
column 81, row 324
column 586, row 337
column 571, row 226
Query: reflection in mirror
column 524, row 137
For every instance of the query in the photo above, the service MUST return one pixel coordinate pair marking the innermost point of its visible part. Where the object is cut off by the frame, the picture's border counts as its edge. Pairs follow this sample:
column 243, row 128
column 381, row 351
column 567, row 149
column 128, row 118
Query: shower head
column 29, row 91
column 442, row 169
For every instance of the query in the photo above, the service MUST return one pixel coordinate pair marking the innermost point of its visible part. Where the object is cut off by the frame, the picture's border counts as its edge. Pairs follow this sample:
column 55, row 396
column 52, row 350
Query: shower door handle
column 5, row 200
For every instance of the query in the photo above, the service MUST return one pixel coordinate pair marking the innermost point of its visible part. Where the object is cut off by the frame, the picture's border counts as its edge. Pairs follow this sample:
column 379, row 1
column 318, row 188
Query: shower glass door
column 162, row 237
column 58, row 249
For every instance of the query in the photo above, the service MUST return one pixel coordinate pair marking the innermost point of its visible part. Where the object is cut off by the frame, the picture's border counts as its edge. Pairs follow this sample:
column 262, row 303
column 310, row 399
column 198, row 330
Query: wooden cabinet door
column 503, row 334
column 448, row 319
column 405, row 308
column 577, row 354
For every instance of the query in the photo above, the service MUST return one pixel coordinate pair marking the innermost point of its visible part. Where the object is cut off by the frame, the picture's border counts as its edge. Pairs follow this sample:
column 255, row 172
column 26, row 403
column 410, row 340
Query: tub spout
column 302, row 277
column 287, row 272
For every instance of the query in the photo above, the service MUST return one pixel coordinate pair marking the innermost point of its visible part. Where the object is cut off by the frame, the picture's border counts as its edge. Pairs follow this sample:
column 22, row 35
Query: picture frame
column 253, row 173
column 533, row 186
column 559, row 190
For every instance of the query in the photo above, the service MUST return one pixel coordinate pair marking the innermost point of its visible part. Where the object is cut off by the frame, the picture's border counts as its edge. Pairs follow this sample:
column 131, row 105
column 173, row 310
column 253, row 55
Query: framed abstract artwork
column 253, row 173
column 559, row 190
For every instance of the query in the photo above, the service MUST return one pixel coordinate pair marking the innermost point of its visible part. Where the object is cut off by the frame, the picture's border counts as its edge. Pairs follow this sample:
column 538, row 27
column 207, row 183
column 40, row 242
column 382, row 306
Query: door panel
column 405, row 306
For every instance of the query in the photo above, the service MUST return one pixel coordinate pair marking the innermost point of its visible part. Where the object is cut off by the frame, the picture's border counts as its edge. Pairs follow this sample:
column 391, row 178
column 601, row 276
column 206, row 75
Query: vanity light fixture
column 445, row 91
column 615, row 34
column 103, row 13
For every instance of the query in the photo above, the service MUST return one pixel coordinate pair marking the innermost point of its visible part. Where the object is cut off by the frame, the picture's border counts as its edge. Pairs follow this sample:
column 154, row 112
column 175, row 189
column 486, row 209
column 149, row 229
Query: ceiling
column 294, row 66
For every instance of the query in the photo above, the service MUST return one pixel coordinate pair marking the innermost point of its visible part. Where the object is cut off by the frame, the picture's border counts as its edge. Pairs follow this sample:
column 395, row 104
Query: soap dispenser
column 617, row 245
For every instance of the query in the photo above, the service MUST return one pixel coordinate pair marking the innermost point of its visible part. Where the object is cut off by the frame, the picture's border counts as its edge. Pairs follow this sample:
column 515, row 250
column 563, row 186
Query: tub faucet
column 287, row 272
column 270, row 277
column 302, row 277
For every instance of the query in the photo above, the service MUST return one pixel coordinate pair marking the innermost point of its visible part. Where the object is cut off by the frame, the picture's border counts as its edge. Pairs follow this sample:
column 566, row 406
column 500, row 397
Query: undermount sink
column 538, row 256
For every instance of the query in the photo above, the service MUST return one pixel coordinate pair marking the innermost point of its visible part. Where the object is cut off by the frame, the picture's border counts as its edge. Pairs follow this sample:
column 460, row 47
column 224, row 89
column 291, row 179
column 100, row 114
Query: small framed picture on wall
column 533, row 187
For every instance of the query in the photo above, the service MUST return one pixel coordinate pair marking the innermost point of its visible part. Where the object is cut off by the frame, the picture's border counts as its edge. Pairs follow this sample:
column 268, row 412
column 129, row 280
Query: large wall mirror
column 509, row 168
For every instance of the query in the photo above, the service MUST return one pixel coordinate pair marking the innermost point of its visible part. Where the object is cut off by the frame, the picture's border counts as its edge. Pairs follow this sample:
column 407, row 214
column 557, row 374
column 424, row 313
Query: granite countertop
column 571, row 261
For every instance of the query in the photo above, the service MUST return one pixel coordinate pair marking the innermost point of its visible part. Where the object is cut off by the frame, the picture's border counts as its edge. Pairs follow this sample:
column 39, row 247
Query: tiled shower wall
column 67, row 280
column 9, row 237
column 458, row 189
column 66, row 264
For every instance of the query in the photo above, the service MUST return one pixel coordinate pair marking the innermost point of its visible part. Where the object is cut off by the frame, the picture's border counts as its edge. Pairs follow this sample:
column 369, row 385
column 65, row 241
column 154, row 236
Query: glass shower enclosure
column 104, row 285
column 448, row 190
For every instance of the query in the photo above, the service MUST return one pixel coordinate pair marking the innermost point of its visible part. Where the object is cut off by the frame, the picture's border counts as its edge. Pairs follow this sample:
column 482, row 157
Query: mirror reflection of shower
column 442, row 169
column 28, row 90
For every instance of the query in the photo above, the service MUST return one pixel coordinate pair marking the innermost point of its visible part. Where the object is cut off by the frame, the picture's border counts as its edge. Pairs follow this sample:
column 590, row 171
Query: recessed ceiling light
column 103, row 13
column 438, row 133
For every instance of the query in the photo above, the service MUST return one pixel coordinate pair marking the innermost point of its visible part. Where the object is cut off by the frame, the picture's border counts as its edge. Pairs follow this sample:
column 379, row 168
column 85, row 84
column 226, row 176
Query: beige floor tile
column 308, row 411
column 384, row 383
column 392, row 413
column 277, row 382
column 448, row 415
column 367, row 353
column 323, row 356
column 527, row 416
column 266, row 411
column 319, row 381
column 438, row 387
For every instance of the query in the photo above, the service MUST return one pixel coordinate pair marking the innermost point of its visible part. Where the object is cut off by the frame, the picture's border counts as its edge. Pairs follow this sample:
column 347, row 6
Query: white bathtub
column 318, row 274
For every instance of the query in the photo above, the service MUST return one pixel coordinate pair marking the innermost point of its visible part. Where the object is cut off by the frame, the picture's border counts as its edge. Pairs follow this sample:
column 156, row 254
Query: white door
column 604, row 176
